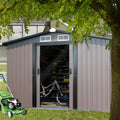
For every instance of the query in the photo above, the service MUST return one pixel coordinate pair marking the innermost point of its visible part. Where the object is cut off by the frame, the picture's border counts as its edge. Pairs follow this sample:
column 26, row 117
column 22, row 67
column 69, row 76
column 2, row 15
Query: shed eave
column 32, row 36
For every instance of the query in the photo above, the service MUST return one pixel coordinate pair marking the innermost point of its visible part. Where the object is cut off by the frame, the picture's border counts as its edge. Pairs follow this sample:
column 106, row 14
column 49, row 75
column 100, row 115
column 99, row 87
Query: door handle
column 70, row 70
column 38, row 71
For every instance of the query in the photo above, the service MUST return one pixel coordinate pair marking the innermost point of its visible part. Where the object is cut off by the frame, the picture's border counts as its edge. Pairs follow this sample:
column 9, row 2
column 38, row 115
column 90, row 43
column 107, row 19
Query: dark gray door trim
column 74, row 69
column 74, row 77
column 34, row 86
column 54, row 43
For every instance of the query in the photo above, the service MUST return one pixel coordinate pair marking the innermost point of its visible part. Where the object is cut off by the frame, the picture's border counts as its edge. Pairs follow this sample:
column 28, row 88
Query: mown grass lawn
column 3, row 67
column 43, row 114
column 2, row 86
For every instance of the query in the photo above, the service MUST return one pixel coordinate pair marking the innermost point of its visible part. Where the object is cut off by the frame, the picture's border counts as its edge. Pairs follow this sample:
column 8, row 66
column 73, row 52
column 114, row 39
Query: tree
column 84, row 16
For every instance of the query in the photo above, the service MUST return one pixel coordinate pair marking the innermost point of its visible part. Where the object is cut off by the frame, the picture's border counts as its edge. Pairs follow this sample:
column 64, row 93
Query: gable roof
column 32, row 36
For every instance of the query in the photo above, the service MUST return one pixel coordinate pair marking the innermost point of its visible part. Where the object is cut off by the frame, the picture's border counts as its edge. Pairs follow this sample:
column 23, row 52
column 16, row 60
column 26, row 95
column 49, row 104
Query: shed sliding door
column 38, row 76
column 38, row 71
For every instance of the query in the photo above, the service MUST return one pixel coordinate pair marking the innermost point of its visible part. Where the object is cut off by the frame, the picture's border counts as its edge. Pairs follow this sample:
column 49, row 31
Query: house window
column 41, row 28
column 45, row 38
column 63, row 37
column 32, row 30
column 17, row 32
column 3, row 38
column 3, row 56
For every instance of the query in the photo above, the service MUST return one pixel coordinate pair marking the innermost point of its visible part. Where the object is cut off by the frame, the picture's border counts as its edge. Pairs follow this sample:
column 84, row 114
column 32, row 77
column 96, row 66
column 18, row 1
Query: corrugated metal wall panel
column 19, row 71
column 94, row 76
column 71, row 77
column 85, row 88
column 14, row 75
column 80, row 78
column 29, row 74
column 19, row 75
column 9, row 66
column 38, row 76
column 22, row 69
column 26, row 75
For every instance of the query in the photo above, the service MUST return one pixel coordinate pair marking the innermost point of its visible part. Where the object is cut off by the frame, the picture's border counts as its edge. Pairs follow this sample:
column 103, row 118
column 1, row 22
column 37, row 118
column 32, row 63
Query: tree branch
column 9, row 8
column 45, row 1
column 109, row 5
column 118, row 6
column 110, row 13
column 98, row 7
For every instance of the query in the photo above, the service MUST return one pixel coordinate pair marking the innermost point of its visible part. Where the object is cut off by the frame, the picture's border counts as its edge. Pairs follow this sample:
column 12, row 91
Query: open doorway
column 54, row 76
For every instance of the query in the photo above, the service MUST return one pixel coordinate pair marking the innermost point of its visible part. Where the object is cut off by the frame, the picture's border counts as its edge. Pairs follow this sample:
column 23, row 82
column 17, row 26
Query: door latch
column 38, row 71
column 70, row 70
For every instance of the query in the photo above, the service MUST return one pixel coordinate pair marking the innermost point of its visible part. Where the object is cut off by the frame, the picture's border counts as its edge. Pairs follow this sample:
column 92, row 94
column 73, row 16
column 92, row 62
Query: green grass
column 2, row 86
column 43, row 114
column 3, row 67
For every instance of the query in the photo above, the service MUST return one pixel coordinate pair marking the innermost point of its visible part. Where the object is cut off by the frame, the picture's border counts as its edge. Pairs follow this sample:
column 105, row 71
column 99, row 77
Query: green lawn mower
column 9, row 105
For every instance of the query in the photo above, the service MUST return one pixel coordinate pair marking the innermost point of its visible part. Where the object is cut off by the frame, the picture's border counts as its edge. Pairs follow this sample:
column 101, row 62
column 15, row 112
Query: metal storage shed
column 89, row 63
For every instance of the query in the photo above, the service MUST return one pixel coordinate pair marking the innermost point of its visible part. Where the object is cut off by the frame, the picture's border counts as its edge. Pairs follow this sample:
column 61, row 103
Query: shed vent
column 63, row 37
column 45, row 38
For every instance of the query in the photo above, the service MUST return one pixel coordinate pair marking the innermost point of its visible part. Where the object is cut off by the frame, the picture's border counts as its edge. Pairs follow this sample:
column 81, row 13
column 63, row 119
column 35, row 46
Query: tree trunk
column 115, row 60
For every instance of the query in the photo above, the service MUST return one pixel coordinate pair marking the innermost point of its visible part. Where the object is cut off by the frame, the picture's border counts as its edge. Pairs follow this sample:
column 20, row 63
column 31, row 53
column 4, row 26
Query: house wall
column 18, row 29
column 94, row 76
column 19, row 72
column 3, row 56
column 61, row 27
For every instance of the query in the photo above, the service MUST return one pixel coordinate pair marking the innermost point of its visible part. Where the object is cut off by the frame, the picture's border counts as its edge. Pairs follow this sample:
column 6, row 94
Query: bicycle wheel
column 59, row 97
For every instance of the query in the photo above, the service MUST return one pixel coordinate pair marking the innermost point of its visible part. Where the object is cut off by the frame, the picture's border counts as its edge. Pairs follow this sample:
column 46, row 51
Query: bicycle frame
column 43, row 92
column 52, row 85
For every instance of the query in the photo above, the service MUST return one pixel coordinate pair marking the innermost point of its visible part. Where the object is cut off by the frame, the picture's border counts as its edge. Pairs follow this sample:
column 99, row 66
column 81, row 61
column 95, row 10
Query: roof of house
column 32, row 36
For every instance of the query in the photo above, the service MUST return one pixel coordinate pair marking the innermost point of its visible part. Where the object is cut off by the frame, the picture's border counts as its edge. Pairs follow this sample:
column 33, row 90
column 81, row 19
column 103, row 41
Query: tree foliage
column 84, row 16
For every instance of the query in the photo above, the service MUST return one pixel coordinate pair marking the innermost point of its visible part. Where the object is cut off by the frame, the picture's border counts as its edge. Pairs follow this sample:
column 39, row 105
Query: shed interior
column 54, row 76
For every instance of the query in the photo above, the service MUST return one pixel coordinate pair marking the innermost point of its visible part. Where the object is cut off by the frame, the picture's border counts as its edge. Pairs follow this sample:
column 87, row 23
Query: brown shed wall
column 94, row 76
column 19, row 69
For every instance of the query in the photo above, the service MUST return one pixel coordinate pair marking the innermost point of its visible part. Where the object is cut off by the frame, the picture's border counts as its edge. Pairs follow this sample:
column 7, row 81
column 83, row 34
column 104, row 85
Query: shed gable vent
column 63, row 37
column 45, row 38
